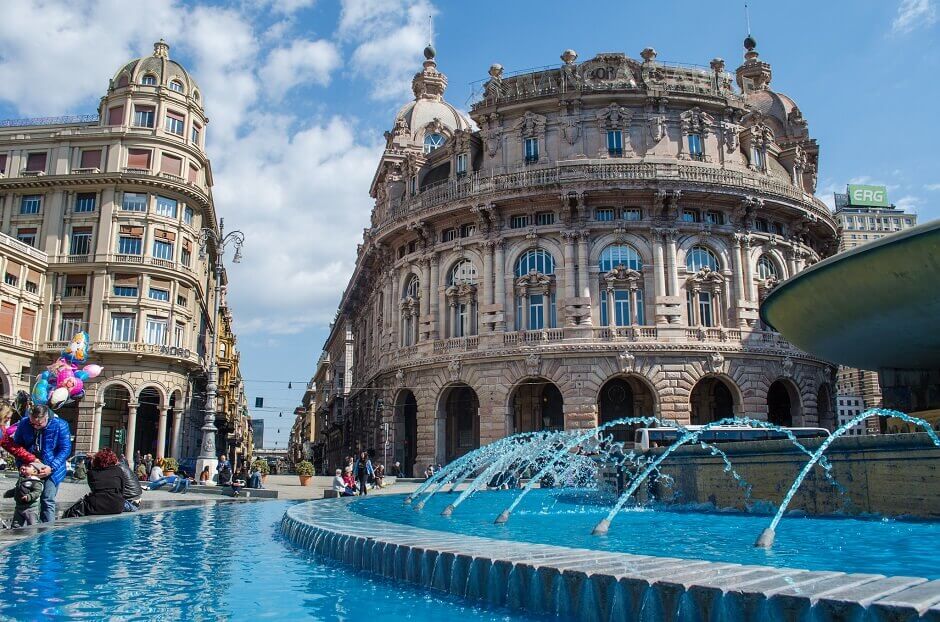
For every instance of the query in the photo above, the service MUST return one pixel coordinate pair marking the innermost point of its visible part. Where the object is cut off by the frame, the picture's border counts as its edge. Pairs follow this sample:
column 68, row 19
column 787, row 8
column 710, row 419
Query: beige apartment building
column 101, row 220
column 597, row 249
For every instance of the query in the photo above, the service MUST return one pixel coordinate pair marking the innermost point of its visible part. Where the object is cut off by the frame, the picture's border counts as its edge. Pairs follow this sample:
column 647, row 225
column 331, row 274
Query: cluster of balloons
column 63, row 382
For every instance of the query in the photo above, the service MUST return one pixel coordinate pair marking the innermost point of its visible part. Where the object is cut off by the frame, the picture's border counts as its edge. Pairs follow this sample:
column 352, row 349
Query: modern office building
column 101, row 220
column 597, row 249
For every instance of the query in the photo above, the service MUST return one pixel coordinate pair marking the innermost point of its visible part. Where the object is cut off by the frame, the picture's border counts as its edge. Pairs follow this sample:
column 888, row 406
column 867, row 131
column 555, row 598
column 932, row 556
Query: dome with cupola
column 429, row 117
column 157, row 70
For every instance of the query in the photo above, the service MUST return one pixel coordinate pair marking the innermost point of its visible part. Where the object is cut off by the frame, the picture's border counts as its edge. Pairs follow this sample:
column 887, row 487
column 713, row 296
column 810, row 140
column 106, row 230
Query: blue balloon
column 81, row 375
column 46, row 375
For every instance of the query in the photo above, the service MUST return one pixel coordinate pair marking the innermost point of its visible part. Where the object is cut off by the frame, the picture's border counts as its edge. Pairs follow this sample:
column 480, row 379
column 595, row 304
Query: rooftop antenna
column 747, row 19
column 430, row 30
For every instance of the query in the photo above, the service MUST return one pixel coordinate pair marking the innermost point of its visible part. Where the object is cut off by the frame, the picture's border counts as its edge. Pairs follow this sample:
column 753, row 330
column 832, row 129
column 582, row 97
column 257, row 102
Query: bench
column 329, row 493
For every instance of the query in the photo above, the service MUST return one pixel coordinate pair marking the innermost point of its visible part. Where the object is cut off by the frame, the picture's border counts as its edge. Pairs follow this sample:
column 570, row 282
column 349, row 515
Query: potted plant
column 170, row 466
column 261, row 465
column 304, row 472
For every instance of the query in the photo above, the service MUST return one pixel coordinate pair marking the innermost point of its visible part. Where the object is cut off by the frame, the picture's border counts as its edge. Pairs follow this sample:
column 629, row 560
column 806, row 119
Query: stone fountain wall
column 891, row 475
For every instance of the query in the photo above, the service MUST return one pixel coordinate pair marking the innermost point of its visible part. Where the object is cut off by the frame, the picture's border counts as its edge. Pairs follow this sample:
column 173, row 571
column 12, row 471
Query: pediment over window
column 705, row 278
column 534, row 280
column 623, row 275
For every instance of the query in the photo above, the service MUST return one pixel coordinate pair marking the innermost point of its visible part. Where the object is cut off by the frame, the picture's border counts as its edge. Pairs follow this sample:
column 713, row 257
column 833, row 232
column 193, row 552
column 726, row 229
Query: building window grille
column 449, row 235
column 166, row 207
column 125, row 291
column 714, row 218
column 761, row 225
column 31, row 287
column 182, row 300
column 467, row 230
column 70, row 325
column 531, row 148
column 143, row 117
column 159, row 294
column 134, row 202
column 632, row 214
column 30, row 204
column 85, row 202
column 690, row 215
column 129, row 245
column 80, row 243
column 604, row 214
column 11, row 279
column 163, row 249
column 545, row 218
column 75, row 286
column 156, row 331
column 519, row 221
column 615, row 143
column 122, row 327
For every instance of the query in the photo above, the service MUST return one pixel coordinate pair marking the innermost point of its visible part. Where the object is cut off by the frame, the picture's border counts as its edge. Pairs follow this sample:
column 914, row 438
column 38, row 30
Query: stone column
column 488, row 272
column 659, row 271
column 499, row 291
column 131, row 432
column 749, row 271
column 177, row 432
column 611, row 314
column 673, row 279
column 719, row 311
column 584, row 286
column 161, row 432
column 569, row 237
column 96, row 426
column 737, row 268
column 524, row 320
column 433, row 329
column 425, row 302
column 634, row 307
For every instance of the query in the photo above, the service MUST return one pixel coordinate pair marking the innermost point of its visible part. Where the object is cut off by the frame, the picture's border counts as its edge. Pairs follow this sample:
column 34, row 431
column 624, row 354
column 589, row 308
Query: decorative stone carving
column 627, row 362
column 531, row 125
column 400, row 377
column 533, row 365
column 453, row 369
column 571, row 129
column 786, row 365
column 715, row 362
column 606, row 71
column 493, row 88
column 492, row 134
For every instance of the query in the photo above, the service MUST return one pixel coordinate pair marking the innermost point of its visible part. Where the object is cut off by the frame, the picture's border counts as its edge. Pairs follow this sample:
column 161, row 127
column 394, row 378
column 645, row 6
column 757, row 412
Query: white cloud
column 932, row 187
column 914, row 14
column 390, row 36
column 908, row 203
column 301, row 62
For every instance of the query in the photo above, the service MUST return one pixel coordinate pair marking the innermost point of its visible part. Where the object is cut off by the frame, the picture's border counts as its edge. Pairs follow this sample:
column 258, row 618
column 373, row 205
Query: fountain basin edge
column 593, row 585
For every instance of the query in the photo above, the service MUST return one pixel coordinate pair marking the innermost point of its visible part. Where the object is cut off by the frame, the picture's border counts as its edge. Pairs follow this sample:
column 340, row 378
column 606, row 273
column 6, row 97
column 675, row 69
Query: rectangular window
column 467, row 230
column 182, row 300
column 462, row 329
column 622, row 307
column 761, row 225
column 27, row 324
column 615, row 143
column 80, row 242
column 162, row 249
column 757, row 158
column 36, row 162
column 178, row 332
column 545, row 218
column 159, row 294
column 128, row 245
column 75, row 285
column 174, row 123
column 695, row 146
column 449, row 235
column 186, row 256
column 166, row 207
column 70, row 326
column 519, row 221
column 714, row 218
column 194, row 134
column 690, row 215
column 156, row 331
column 139, row 159
column 31, row 286
column 11, row 279
column 7, row 312
column 414, row 184
column 125, row 291
column 632, row 214
column 462, row 164
column 536, row 312
column 116, row 115
column 26, row 235
column 705, row 309
column 143, row 116
column 188, row 215
column 171, row 164
column 30, row 203
column 122, row 327
column 531, row 150
column 91, row 158
column 776, row 227
column 604, row 214
column 3, row 163
column 85, row 202
column 134, row 202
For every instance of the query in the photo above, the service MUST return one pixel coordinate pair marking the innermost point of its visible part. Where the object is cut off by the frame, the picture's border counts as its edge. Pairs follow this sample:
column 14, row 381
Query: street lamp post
column 218, row 240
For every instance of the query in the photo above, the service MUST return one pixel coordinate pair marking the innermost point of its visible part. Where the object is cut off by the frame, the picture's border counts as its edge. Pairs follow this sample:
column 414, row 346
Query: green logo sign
column 872, row 196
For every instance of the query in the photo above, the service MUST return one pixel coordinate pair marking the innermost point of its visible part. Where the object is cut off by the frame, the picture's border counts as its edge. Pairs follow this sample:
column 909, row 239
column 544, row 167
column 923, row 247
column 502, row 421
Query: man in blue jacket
column 49, row 439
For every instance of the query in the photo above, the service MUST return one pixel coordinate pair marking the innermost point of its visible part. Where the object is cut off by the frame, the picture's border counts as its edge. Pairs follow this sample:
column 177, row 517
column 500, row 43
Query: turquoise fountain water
column 766, row 538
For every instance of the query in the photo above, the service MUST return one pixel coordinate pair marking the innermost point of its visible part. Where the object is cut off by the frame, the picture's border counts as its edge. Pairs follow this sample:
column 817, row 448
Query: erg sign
column 873, row 196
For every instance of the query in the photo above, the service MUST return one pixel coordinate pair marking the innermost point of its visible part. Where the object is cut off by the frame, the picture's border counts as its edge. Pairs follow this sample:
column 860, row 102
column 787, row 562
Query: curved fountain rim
column 334, row 518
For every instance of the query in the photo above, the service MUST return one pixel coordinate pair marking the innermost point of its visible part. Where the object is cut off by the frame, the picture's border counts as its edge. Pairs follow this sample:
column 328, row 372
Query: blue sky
column 298, row 93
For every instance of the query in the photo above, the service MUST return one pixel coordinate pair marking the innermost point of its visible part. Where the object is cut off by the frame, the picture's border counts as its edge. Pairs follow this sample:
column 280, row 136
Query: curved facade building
column 597, row 249
column 115, row 204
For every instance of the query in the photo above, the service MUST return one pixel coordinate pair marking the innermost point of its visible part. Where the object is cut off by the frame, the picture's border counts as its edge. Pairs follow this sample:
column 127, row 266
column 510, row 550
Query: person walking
column 363, row 471
column 48, row 437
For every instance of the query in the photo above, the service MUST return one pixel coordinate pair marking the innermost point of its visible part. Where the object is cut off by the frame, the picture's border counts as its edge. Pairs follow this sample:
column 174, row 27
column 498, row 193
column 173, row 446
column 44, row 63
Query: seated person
column 107, row 480
column 350, row 482
column 339, row 485
column 177, row 483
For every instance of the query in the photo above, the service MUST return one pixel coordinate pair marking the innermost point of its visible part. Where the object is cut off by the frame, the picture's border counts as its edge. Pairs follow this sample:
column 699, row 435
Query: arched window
column 409, row 311
column 621, row 286
column 196, row 95
column 766, row 268
column 536, row 259
column 432, row 142
column 176, row 85
column 535, row 290
column 149, row 80
column 620, row 255
column 700, row 257
column 462, row 299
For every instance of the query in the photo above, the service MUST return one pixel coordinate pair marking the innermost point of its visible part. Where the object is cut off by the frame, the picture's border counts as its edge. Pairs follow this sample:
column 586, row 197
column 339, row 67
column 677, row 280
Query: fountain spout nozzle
column 766, row 539
column 408, row 500
column 601, row 528
column 447, row 511
column 502, row 518
column 419, row 506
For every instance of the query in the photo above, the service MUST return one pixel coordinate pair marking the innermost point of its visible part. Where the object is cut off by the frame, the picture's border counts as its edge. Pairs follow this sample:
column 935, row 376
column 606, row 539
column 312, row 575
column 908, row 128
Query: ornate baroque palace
column 597, row 249
column 101, row 221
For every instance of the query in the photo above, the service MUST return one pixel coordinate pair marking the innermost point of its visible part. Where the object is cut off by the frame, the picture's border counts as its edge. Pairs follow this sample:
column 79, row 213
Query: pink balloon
column 93, row 370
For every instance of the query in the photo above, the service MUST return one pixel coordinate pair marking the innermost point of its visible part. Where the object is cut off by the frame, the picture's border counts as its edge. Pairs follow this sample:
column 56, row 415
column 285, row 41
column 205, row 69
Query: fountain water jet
column 766, row 539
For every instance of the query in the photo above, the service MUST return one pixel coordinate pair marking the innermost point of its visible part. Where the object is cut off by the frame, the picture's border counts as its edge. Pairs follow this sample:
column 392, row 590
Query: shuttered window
column 171, row 164
column 91, row 158
column 27, row 324
column 7, row 312
column 36, row 162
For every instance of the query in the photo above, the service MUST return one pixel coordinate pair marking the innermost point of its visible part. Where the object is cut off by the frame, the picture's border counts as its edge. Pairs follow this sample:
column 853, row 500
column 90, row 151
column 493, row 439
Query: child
column 26, row 494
